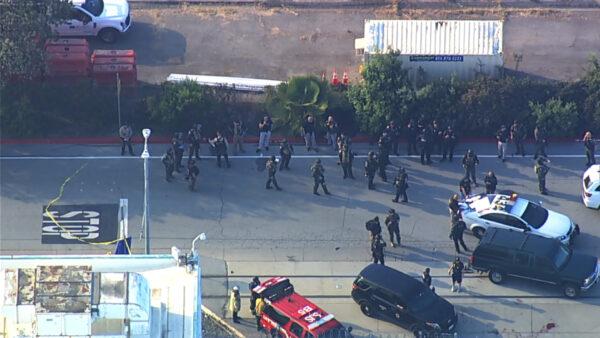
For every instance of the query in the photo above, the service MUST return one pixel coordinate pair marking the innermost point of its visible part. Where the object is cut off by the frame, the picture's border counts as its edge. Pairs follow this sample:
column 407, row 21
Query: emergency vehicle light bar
column 320, row 322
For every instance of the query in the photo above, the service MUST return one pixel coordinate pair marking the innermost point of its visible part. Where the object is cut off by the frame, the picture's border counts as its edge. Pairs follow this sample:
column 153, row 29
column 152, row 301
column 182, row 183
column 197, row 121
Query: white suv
column 591, row 187
column 103, row 18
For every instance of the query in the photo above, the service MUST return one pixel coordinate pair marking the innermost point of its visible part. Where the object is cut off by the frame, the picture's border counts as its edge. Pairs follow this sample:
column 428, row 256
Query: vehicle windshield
column 535, row 215
column 94, row 6
column 561, row 257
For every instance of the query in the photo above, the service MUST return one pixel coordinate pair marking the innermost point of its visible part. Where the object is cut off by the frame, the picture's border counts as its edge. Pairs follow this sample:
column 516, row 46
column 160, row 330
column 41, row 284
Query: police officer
column 384, row 147
column 192, row 174
column 125, row 134
column 394, row 133
column 346, row 160
column 590, row 148
column 178, row 150
column 194, row 137
column 318, row 171
column 271, row 167
column 371, row 165
column 541, row 170
column 456, row 271
column 373, row 227
column 238, row 131
column 411, row 137
column 502, row 138
column 539, row 135
column 425, row 141
column 517, row 134
column 285, row 151
column 253, row 295
column 377, row 250
column 401, row 184
column 392, row 221
column 456, row 233
column 426, row 277
column 221, row 146
column 465, row 187
column 469, row 162
column 168, row 160
column 453, row 206
column 490, row 182
column 448, row 143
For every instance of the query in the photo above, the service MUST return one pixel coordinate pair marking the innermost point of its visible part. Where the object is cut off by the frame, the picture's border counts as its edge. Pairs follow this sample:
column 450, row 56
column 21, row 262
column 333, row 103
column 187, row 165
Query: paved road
column 278, row 43
column 270, row 232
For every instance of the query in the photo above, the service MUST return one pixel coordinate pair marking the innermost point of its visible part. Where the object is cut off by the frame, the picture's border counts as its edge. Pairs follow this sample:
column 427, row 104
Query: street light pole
column 145, row 156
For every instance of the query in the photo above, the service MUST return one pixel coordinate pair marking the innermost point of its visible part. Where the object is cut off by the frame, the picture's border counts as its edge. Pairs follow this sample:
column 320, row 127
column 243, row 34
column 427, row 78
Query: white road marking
column 457, row 158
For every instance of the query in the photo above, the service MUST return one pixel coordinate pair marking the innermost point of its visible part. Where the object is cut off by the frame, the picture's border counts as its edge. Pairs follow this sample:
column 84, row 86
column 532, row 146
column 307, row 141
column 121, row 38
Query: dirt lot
column 277, row 43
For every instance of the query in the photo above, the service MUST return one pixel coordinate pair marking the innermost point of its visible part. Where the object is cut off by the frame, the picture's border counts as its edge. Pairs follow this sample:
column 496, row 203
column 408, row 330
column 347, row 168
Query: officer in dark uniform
column 377, row 250
column 168, row 160
column 456, row 233
column 469, row 162
column 194, row 137
column 401, row 184
column 221, row 146
column 394, row 134
column 373, row 227
column 382, row 160
column 425, row 141
column 271, row 167
column 253, row 295
column 178, row 150
column 448, row 143
column 392, row 221
column 285, row 151
column 318, row 171
column 346, row 160
column 539, row 135
column 453, row 206
column 518, row 135
column 411, row 137
column 371, row 165
column 465, row 187
column 541, row 170
column 384, row 147
column 490, row 182
column 192, row 174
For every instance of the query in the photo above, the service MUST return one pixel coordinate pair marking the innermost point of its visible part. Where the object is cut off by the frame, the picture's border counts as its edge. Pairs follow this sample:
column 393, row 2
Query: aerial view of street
column 299, row 168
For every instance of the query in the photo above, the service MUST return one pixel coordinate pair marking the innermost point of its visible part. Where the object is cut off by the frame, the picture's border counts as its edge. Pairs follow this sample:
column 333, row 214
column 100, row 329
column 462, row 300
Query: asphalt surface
column 279, row 42
column 252, row 230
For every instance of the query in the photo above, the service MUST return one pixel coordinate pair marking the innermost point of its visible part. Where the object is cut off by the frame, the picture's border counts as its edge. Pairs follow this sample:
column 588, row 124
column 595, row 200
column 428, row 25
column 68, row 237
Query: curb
column 221, row 322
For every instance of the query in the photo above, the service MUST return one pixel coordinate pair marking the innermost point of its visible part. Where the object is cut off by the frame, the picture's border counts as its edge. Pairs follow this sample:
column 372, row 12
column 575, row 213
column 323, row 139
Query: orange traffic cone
column 345, row 79
column 334, row 78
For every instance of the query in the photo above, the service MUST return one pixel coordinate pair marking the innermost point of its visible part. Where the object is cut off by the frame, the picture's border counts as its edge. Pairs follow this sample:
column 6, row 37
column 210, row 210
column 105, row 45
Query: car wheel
column 571, row 290
column 479, row 232
column 367, row 309
column 108, row 35
column 418, row 330
column 496, row 276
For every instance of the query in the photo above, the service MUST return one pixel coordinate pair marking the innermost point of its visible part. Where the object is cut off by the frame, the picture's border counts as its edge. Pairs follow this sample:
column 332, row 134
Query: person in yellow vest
column 260, row 307
column 235, row 303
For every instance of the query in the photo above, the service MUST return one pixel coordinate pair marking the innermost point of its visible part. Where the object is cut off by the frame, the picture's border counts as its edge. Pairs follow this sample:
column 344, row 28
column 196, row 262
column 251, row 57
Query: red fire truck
column 288, row 314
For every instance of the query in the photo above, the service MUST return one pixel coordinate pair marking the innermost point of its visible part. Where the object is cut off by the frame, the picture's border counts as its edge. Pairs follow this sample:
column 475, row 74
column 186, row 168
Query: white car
column 591, row 187
column 513, row 212
column 103, row 18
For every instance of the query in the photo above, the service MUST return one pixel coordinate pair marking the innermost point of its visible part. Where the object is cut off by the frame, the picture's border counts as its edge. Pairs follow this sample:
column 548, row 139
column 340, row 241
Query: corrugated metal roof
column 434, row 37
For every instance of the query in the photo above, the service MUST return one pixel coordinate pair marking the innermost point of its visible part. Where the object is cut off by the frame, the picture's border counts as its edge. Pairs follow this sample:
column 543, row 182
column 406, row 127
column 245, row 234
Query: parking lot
column 320, row 242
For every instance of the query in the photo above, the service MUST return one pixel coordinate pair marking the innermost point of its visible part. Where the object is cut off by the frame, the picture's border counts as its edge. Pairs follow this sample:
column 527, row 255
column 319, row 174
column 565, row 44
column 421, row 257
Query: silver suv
column 103, row 18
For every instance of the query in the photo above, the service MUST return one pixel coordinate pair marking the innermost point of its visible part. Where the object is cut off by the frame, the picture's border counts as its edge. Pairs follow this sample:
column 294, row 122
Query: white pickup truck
column 103, row 18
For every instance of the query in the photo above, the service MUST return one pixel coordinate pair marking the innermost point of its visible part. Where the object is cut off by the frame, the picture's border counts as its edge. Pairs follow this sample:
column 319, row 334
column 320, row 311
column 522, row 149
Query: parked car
column 288, row 314
column 106, row 19
column 385, row 293
column 591, row 187
column 503, row 253
column 483, row 211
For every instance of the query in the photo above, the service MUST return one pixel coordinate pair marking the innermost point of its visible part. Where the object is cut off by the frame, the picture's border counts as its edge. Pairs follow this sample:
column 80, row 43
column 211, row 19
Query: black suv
column 503, row 252
column 403, row 300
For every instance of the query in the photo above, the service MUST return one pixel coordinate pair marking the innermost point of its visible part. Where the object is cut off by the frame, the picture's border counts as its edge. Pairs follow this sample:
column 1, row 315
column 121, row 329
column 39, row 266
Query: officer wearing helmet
column 192, row 174
column 318, row 171
column 271, row 167
column 469, row 162
column 371, row 166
